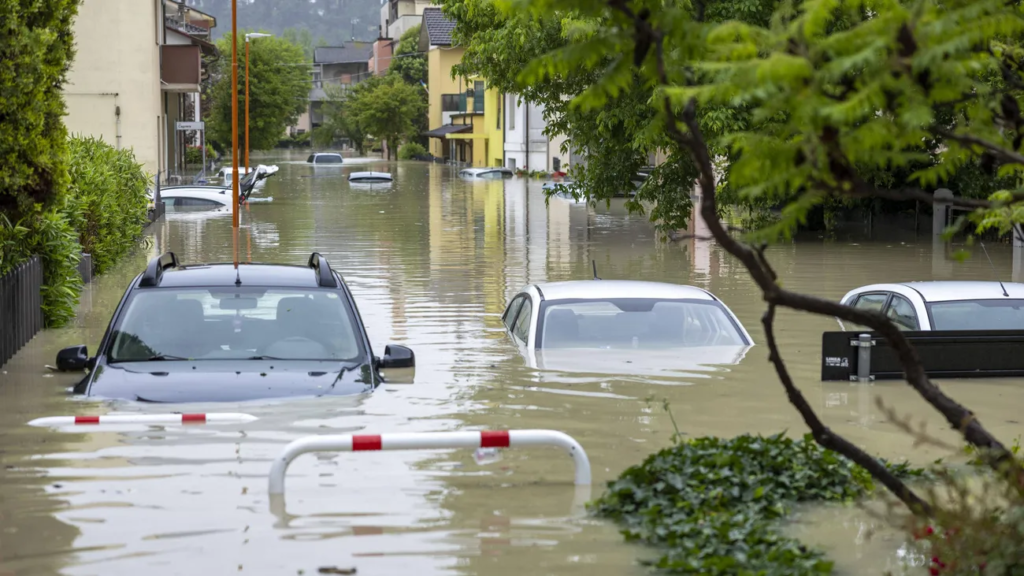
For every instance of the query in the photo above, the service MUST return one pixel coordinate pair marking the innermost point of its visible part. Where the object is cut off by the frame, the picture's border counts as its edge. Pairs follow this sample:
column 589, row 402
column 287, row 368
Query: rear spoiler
column 944, row 353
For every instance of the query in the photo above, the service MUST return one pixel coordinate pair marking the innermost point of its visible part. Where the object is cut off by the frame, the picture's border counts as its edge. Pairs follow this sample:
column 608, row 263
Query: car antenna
column 1005, row 293
column 594, row 264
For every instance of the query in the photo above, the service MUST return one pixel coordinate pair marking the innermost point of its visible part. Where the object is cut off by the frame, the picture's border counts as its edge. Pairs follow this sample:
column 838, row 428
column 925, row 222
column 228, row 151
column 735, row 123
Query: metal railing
column 21, row 312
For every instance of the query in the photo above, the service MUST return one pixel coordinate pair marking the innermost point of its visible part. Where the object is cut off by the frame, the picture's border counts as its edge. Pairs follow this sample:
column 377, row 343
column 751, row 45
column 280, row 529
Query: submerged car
column 622, row 317
column 496, row 173
column 214, row 332
column 324, row 158
column 370, row 177
column 944, row 305
column 213, row 197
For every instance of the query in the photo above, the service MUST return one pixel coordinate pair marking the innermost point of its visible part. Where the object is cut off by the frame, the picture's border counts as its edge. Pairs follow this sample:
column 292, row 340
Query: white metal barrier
column 429, row 441
column 211, row 418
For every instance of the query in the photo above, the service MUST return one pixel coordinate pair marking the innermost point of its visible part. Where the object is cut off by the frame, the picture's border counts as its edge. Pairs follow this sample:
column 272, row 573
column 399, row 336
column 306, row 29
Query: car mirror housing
column 396, row 356
column 73, row 359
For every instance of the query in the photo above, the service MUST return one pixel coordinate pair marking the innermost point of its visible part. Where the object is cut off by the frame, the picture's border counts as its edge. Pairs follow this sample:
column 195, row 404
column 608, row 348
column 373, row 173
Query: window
column 510, row 312
column 236, row 324
column 193, row 202
column 902, row 313
column 1003, row 314
column 512, row 164
column 522, row 327
column 871, row 302
column 327, row 159
column 510, row 109
column 450, row 102
column 498, row 115
column 641, row 323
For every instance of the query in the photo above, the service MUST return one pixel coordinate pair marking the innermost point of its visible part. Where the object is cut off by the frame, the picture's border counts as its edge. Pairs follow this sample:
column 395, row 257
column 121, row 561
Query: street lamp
column 247, row 36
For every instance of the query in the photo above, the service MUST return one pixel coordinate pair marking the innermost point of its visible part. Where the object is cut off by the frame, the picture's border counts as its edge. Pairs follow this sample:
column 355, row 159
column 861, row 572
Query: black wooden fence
column 21, row 313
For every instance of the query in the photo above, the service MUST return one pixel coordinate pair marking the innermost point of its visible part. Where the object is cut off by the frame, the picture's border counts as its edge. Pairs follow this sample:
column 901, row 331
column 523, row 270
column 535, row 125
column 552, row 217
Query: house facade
column 136, row 75
column 464, row 115
column 336, row 66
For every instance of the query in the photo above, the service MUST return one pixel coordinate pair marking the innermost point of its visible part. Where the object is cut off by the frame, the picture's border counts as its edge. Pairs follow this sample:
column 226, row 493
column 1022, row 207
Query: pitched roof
column 438, row 26
column 349, row 53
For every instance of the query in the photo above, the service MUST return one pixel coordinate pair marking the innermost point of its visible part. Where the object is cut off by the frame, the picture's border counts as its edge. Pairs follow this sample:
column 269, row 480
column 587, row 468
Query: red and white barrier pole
column 429, row 441
column 212, row 418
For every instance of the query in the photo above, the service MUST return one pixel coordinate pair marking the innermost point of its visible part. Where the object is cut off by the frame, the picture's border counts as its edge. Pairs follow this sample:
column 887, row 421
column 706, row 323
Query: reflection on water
column 432, row 260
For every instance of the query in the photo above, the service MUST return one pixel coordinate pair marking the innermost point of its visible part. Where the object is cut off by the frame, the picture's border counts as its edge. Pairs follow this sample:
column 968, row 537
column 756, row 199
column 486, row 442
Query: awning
column 447, row 129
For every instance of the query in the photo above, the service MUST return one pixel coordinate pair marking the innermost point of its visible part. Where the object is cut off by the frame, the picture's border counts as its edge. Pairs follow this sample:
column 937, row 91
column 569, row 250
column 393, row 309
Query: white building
column 526, row 145
column 136, row 73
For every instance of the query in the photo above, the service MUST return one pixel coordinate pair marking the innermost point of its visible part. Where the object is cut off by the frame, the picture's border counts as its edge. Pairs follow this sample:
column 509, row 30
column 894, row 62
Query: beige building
column 136, row 73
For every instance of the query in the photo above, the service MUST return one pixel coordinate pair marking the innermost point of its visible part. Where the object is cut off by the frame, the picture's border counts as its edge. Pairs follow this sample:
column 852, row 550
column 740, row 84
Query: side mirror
column 396, row 356
column 73, row 359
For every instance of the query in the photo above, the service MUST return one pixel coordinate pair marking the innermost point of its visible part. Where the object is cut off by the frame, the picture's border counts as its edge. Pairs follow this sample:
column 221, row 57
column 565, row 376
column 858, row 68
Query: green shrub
column 713, row 504
column 36, row 48
column 48, row 234
column 411, row 150
column 194, row 155
column 107, row 199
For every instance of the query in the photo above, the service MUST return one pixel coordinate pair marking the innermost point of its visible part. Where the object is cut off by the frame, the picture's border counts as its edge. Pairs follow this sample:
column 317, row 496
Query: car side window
column 522, row 327
column 902, row 313
column 872, row 302
column 510, row 312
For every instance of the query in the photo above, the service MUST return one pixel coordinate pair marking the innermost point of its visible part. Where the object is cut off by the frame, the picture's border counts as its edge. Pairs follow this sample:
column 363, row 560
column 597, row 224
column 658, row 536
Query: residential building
column 538, row 151
column 136, row 74
column 339, row 66
column 380, row 56
column 464, row 114
column 398, row 16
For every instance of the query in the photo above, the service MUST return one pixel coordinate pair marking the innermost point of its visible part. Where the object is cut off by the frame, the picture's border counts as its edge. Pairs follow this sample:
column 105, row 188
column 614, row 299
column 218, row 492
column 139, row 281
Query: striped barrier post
column 211, row 418
column 428, row 441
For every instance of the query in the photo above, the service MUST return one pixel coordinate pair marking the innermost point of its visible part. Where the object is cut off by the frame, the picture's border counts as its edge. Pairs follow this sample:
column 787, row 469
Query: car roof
column 262, row 275
column 326, row 154
column 482, row 170
column 600, row 289
column 948, row 290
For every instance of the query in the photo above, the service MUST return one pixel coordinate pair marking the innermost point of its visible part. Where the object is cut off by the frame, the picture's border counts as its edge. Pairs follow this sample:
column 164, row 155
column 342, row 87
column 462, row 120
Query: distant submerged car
column 325, row 159
column 944, row 305
column 590, row 323
column 497, row 173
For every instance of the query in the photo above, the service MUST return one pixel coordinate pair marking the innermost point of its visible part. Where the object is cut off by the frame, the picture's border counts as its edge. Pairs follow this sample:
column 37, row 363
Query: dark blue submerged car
column 211, row 332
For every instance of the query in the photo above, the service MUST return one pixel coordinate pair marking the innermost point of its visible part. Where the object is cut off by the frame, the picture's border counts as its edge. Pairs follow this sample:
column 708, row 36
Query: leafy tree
column 36, row 49
column 407, row 61
column 385, row 108
column 339, row 118
column 278, row 91
column 809, row 107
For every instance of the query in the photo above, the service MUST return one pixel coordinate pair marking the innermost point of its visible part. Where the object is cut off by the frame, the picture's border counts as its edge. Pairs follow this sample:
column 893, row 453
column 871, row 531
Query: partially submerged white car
column 616, row 322
column 189, row 197
column 944, row 305
column 495, row 173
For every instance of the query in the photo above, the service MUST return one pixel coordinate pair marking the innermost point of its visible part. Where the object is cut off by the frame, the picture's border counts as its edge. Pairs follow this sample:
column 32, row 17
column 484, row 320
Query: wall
column 492, row 147
column 515, row 135
column 117, row 65
column 439, row 81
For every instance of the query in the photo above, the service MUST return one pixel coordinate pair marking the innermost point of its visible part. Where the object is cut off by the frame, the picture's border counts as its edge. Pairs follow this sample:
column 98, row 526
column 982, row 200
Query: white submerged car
column 496, row 173
column 325, row 159
column 189, row 197
column 944, row 305
column 599, row 325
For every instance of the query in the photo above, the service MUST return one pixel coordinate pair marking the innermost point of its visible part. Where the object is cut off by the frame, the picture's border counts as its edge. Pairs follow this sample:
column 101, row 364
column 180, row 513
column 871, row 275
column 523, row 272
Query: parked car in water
column 214, row 332
column 944, row 305
column 325, row 158
column 188, row 197
column 603, row 320
column 496, row 173
column 370, row 177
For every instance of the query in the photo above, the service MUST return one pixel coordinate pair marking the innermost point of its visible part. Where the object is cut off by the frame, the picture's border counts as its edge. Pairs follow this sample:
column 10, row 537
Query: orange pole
column 234, row 122
column 247, row 105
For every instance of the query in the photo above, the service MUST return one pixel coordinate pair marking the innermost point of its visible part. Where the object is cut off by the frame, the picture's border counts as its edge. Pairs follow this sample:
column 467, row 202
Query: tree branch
column 1007, row 155
column 959, row 417
column 828, row 439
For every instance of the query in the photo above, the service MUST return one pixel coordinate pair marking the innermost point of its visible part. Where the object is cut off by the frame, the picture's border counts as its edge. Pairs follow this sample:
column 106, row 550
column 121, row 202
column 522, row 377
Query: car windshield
column 640, row 323
column 327, row 159
column 230, row 323
column 978, row 315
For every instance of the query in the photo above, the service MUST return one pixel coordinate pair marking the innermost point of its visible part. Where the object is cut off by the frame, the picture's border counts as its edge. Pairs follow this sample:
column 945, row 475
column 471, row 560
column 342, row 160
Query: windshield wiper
column 267, row 358
column 161, row 357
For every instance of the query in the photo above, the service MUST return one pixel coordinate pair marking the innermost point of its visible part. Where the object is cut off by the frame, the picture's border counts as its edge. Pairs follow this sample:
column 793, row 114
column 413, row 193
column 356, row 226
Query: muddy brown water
column 432, row 259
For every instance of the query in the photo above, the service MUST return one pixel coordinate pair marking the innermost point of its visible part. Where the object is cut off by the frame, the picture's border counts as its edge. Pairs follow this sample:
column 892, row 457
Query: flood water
column 432, row 260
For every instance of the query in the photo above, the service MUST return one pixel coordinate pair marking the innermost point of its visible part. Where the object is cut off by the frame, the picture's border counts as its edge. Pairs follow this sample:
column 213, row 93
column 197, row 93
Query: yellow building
column 464, row 115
